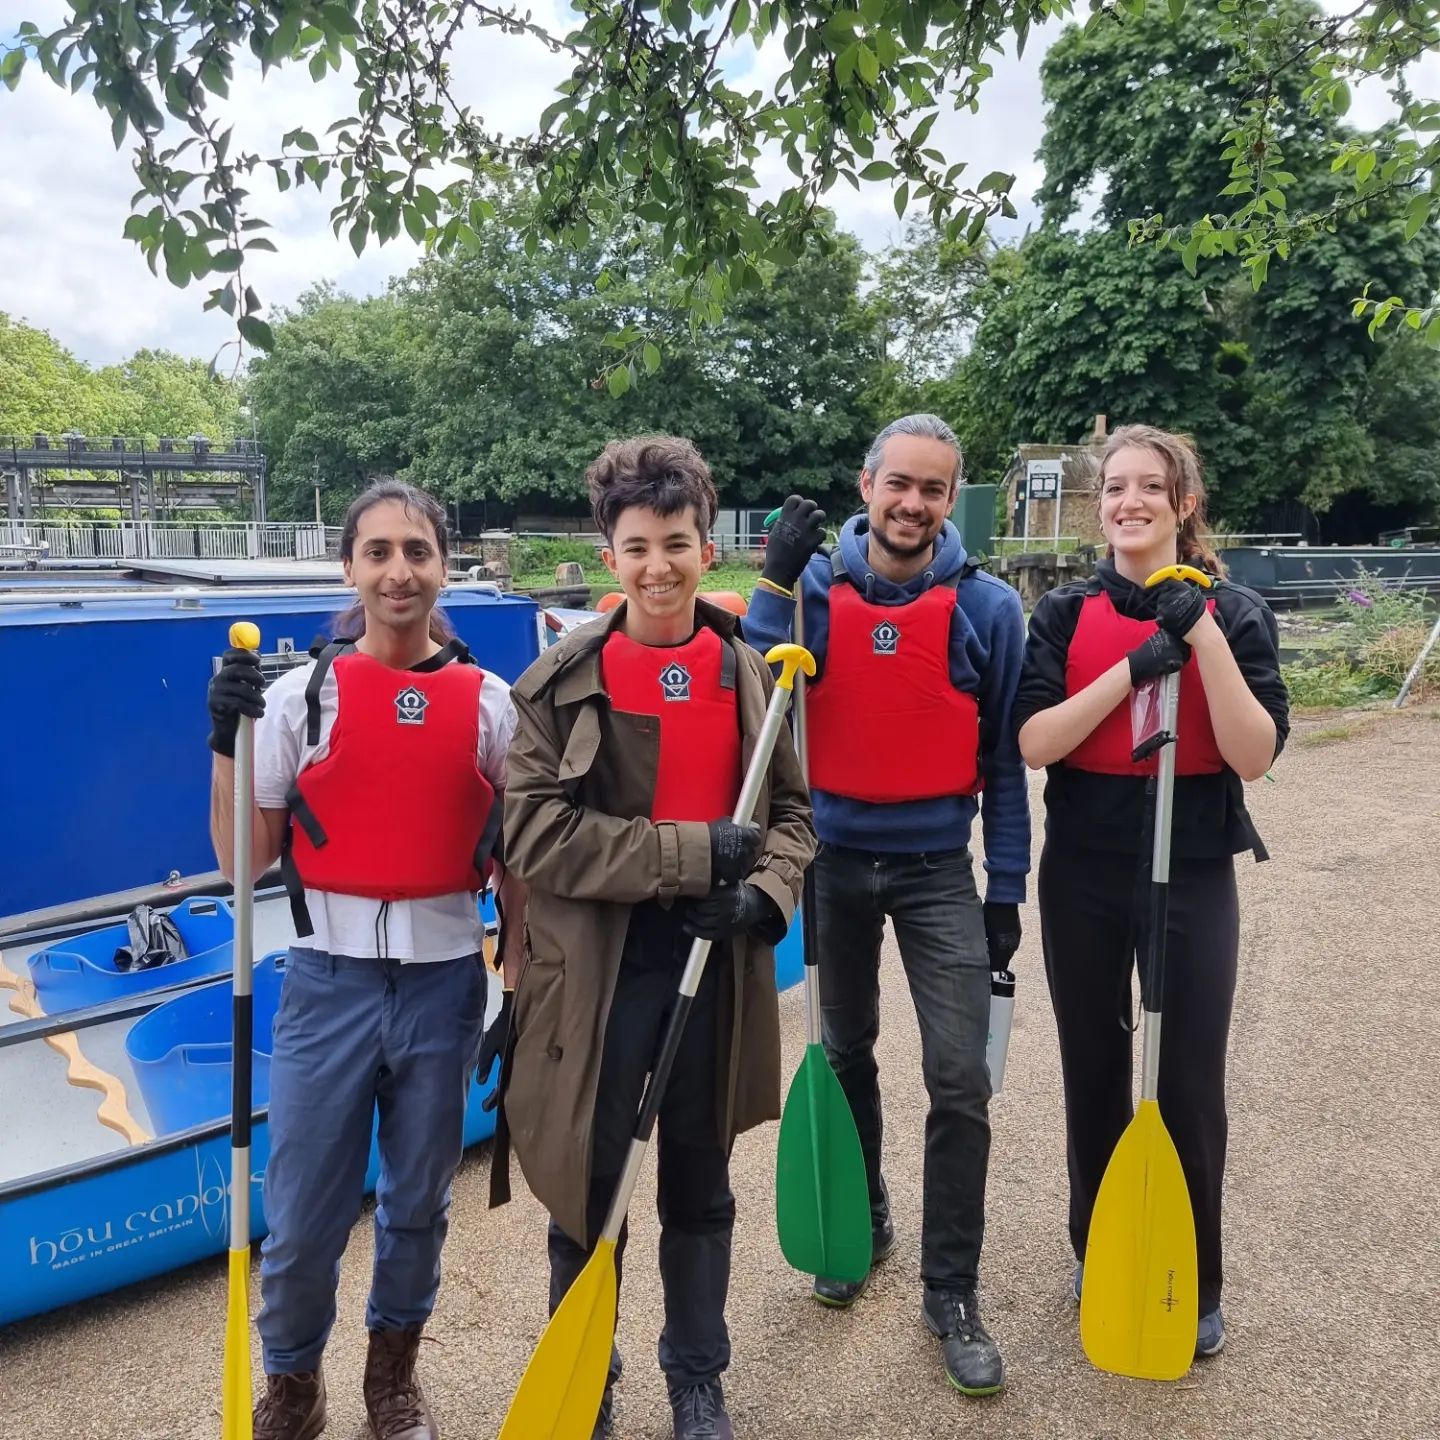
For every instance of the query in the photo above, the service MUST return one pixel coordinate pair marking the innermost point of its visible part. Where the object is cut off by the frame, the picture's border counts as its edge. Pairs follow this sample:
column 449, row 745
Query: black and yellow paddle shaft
column 560, row 1392
column 1139, row 1303
column 822, row 1196
column 235, row 1410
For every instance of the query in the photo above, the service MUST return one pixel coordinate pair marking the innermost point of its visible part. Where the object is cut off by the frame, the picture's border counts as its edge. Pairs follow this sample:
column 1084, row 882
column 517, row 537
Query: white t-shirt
column 440, row 927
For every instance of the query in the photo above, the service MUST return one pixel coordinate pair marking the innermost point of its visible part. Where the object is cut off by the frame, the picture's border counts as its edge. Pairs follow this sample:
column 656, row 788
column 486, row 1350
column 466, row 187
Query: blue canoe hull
column 106, row 1223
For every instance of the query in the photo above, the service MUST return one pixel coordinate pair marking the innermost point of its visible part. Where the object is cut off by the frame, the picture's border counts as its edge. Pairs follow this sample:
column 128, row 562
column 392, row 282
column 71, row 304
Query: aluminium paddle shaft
column 791, row 658
column 235, row 1414
column 1152, row 982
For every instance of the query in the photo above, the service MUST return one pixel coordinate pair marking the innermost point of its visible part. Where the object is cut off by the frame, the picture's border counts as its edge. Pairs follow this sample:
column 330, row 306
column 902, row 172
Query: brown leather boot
column 393, row 1398
column 292, row 1407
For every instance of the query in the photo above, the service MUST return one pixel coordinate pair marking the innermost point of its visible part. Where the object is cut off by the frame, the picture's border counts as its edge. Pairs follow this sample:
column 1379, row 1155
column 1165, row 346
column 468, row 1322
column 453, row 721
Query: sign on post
column 1042, row 478
column 1043, row 482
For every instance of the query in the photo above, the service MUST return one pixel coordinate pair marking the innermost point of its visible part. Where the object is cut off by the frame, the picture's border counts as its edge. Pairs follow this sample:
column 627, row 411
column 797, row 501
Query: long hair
column 350, row 624
column 1185, row 475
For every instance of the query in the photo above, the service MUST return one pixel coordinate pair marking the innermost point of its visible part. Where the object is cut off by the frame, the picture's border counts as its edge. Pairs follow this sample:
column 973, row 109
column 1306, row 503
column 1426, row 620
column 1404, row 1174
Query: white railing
column 168, row 540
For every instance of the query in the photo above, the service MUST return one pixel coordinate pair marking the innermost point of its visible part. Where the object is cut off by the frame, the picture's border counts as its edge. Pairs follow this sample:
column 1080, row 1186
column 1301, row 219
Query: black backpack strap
column 302, row 815
column 490, row 844
column 838, row 571
column 316, row 684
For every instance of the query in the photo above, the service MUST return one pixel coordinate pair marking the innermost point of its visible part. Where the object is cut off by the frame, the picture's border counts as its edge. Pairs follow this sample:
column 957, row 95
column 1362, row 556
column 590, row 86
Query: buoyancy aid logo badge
column 410, row 706
column 886, row 637
column 675, row 681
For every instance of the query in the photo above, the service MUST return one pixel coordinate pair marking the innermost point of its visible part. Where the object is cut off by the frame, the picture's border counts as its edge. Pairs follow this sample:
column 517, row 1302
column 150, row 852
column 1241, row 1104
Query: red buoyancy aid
column 398, row 809
column 1102, row 638
column 690, row 689
column 885, row 722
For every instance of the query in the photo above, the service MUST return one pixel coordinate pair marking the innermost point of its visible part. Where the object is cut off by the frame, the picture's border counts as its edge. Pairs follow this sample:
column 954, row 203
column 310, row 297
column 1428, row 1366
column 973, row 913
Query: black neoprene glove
column 796, row 535
column 730, row 910
column 1159, row 654
column 492, row 1047
column 1179, row 606
column 1002, row 933
column 733, row 849
column 237, row 688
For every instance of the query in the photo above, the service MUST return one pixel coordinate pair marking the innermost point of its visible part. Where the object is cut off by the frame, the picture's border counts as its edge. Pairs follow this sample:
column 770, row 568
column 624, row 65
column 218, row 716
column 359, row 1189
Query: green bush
column 1331, row 684
column 529, row 556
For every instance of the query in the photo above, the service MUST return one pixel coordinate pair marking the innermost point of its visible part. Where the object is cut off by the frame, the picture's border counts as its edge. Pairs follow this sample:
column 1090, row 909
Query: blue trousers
column 352, row 1035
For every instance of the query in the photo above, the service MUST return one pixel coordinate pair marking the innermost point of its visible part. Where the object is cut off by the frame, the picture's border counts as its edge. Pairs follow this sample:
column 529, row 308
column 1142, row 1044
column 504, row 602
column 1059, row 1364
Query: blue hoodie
column 987, row 641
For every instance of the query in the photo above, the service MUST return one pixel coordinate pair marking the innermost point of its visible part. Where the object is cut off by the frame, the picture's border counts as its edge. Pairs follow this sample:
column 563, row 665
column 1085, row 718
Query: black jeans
column 697, row 1210
column 931, row 899
column 1087, row 902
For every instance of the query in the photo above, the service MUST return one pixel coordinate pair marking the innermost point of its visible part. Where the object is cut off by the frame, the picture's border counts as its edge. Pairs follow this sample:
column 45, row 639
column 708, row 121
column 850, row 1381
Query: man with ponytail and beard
column 379, row 779
column 1091, row 644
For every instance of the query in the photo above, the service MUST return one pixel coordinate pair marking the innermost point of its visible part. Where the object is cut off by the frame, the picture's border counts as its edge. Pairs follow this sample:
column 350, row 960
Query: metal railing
column 170, row 540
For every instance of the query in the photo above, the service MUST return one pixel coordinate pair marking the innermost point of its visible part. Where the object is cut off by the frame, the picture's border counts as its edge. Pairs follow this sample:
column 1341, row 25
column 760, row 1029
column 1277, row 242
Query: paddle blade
column 235, row 1415
column 822, row 1201
column 560, row 1392
column 1138, row 1308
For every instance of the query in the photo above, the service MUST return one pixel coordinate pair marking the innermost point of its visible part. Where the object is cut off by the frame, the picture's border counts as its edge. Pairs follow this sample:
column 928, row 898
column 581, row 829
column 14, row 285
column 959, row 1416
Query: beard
column 899, row 549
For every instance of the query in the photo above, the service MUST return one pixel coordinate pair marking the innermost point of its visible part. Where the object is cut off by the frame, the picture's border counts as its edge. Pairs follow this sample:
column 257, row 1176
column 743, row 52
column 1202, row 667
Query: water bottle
column 1002, row 1008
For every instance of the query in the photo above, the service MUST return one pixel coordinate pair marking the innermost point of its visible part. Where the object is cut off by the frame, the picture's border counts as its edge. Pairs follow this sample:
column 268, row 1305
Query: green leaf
column 902, row 199
column 1363, row 166
column 1414, row 319
column 256, row 331
column 869, row 65
column 844, row 66
column 740, row 22
column 1340, row 97
column 226, row 260
column 996, row 180
column 1177, row 9
column 651, row 356
column 10, row 68
column 1417, row 212
column 618, row 381
column 878, row 170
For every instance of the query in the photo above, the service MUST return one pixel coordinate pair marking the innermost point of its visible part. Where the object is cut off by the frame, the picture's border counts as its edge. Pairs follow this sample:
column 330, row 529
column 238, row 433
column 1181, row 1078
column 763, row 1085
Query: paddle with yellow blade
column 235, row 1414
column 822, row 1198
column 1139, row 1304
column 560, row 1392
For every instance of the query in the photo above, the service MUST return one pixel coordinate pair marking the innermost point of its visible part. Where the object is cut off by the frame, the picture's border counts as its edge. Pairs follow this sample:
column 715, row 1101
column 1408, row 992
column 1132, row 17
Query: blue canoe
column 139, row 1209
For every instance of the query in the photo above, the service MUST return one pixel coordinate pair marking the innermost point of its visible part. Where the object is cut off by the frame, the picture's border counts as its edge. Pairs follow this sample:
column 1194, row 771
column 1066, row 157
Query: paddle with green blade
column 1140, row 1301
column 560, row 1392
column 822, row 1198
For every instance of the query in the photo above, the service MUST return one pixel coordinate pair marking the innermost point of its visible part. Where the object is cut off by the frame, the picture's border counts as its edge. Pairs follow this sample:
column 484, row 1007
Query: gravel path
column 1333, row 1240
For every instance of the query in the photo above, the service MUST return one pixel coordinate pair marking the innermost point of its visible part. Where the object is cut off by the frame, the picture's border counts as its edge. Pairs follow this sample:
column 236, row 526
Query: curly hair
column 664, row 473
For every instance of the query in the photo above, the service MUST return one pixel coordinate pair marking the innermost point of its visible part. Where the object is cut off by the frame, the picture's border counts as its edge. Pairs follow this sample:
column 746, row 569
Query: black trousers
column 941, row 934
column 697, row 1209
column 1092, row 906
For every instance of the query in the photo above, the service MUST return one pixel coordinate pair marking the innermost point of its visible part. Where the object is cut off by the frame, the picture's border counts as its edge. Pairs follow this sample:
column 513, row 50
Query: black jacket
column 1110, row 812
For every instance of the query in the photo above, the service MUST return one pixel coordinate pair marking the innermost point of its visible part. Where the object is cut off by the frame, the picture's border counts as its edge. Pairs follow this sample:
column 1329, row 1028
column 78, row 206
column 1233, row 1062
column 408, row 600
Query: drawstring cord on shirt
column 382, row 918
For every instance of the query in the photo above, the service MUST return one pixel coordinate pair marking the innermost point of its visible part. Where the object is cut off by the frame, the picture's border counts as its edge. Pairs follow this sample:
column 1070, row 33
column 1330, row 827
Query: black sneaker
column 699, row 1413
column 972, row 1359
column 842, row 1294
column 1077, row 1282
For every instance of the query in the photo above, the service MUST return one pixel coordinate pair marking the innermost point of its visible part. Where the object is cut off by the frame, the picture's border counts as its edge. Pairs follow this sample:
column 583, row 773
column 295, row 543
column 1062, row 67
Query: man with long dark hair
column 386, row 826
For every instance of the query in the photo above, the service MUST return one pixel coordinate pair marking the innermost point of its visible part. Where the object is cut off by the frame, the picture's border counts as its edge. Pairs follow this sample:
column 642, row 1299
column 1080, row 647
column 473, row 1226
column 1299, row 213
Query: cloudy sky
column 65, row 268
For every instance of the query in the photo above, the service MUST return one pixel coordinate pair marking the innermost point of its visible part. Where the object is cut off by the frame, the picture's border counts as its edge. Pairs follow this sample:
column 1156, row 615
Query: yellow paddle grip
column 244, row 635
column 790, row 658
column 1180, row 572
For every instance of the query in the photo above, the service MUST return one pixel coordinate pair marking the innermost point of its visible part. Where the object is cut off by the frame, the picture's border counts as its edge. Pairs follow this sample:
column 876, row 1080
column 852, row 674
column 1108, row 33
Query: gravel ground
column 1333, row 1300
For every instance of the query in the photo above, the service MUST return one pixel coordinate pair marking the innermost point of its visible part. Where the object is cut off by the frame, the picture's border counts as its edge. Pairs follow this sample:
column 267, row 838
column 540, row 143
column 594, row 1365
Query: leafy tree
column 334, row 400
column 649, row 127
column 45, row 389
